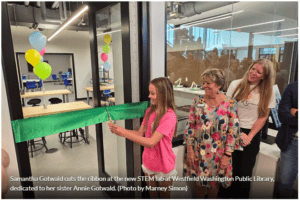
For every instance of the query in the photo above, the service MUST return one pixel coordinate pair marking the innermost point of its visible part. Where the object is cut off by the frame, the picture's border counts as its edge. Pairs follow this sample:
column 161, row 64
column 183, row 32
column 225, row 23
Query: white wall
column 57, row 62
column 8, row 143
column 65, row 42
column 157, row 39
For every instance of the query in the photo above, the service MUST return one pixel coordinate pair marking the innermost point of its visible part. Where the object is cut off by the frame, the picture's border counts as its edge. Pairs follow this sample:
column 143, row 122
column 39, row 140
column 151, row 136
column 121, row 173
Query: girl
column 155, row 134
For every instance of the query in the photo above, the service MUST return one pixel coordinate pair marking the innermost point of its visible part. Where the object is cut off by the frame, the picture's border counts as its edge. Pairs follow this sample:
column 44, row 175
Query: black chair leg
column 72, row 132
column 31, row 148
column 82, row 134
column 44, row 142
column 76, row 134
column 33, row 143
column 64, row 137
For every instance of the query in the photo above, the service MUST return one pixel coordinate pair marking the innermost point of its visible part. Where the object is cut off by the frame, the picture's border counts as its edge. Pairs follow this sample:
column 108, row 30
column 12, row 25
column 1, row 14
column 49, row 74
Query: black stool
column 55, row 100
column 32, row 143
column 34, row 102
column 74, row 134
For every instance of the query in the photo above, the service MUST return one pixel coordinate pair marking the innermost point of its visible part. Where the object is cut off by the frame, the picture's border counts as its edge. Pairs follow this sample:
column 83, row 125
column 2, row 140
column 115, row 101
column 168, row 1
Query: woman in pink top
column 155, row 134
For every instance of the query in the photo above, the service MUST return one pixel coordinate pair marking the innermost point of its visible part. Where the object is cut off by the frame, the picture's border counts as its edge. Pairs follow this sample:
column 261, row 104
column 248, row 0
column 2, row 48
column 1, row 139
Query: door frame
column 13, row 98
column 126, row 57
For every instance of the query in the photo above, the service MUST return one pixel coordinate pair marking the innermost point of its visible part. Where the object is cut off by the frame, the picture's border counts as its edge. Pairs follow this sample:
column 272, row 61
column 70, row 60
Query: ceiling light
column 202, row 22
column 108, row 32
column 253, row 25
column 276, row 30
column 287, row 35
column 68, row 21
column 216, row 17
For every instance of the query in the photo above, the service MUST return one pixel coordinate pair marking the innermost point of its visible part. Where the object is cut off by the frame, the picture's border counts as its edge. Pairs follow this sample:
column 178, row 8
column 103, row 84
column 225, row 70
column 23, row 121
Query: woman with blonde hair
column 255, row 96
column 211, row 135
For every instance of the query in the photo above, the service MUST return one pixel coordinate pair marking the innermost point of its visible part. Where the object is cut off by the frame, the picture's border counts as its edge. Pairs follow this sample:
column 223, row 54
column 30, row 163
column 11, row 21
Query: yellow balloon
column 33, row 57
column 107, row 38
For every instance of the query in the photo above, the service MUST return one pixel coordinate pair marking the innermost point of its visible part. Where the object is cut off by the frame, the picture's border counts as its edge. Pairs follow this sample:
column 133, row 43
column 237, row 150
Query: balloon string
column 43, row 86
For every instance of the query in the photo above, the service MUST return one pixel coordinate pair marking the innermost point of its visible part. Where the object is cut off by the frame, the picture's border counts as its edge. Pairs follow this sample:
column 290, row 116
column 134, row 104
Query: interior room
column 66, row 58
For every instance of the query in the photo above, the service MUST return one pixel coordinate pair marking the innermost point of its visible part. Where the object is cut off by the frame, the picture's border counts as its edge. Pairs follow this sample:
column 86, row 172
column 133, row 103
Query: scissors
column 108, row 116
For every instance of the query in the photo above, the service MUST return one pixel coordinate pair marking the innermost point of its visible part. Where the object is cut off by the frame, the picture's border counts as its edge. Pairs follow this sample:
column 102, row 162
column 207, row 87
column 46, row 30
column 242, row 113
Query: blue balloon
column 42, row 59
column 107, row 66
column 37, row 40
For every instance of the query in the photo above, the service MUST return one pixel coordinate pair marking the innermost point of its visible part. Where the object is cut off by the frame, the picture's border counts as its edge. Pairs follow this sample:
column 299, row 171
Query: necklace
column 210, row 101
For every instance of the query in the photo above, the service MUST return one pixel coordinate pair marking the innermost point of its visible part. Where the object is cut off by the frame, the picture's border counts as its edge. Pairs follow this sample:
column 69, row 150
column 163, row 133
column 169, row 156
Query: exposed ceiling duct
column 182, row 10
column 44, row 17
column 65, row 10
column 61, row 14
column 48, row 18
column 55, row 4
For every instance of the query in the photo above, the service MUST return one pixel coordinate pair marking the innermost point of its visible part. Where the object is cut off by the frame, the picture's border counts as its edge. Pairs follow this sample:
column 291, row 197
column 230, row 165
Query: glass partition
column 108, row 28
column 228, row 36
column 269, row 27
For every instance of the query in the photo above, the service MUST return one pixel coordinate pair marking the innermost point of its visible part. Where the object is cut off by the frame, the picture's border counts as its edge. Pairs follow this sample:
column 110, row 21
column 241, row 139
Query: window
column 267, row 53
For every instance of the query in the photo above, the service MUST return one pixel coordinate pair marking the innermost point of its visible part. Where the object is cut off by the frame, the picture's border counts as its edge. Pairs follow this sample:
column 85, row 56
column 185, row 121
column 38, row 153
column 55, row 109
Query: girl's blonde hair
column 265, row 86
column 165, row 100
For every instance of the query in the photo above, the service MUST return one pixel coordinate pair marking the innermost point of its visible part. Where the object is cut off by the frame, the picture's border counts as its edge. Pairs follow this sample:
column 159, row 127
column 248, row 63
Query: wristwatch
column 296, row 113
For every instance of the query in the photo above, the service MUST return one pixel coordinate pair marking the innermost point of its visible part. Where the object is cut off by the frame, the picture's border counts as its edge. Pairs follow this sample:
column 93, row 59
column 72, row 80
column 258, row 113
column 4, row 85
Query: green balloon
column 43, row 70
column 106, row 48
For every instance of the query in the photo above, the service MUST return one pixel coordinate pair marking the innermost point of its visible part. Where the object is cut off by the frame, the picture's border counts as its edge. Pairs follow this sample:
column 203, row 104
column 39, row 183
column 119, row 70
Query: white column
column 157, row 39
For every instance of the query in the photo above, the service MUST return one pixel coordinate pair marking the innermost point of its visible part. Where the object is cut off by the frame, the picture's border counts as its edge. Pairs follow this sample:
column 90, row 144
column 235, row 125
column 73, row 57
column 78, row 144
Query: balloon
column 34, row 70
column 107, row 38
column 43, row 51
column 43, row 70
column 107, row 66
column 106, row 48
column 42, row 59
column 104, row 57
column 33, row 57
column 38, row 40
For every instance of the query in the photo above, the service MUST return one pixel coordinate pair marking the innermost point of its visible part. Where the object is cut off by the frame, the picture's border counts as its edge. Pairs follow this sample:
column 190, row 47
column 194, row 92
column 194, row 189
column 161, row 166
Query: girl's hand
column 246, row 140
column 224, row 162
column 120, row 131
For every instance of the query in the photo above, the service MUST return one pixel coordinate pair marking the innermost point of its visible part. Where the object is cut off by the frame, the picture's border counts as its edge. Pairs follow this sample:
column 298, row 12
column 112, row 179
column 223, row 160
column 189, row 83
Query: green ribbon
column 36, row 127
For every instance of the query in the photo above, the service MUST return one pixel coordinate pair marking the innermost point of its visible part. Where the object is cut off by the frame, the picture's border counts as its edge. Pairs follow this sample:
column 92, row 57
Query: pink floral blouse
column 212, row 131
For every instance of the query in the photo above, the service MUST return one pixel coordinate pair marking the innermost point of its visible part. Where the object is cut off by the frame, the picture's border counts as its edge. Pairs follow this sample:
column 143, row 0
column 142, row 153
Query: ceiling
column 253, row 13
column 32, row 15
column 29, row 14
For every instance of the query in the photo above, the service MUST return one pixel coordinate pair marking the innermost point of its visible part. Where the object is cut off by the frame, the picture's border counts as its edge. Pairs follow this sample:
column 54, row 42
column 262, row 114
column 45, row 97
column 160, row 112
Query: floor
column 66, row 163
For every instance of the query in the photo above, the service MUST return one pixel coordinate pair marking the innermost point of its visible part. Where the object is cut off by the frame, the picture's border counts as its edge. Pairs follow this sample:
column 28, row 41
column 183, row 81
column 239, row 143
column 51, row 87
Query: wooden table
column 90, row 89
column 111, row 99
column 64, row 92
column 35, row 80
column 36, row 111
